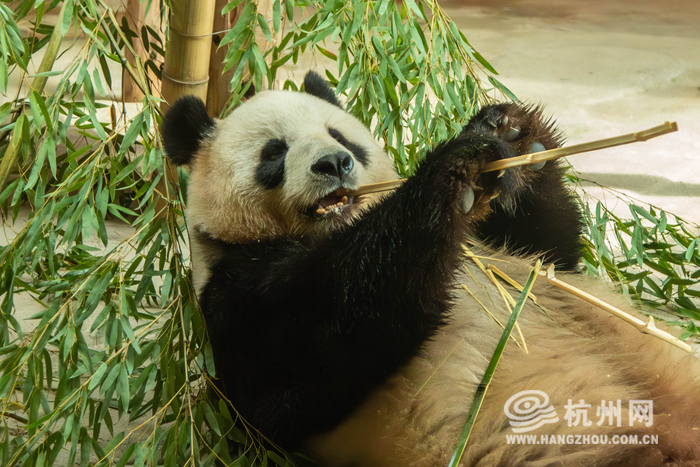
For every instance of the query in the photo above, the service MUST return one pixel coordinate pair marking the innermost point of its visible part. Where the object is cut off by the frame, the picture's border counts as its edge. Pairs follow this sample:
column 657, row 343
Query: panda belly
column 416, row 417
column 575, row 351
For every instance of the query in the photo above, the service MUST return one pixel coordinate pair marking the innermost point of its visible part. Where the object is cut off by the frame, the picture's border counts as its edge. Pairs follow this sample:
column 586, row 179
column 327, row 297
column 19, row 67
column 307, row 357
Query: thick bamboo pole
column 220, row 82
column 187, row 59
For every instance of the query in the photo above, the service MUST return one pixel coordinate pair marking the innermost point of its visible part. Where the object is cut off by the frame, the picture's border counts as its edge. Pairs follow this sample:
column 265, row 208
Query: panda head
column 272, row 167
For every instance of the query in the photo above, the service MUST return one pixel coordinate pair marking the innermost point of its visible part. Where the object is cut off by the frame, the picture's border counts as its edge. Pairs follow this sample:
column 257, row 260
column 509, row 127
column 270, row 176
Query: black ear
column 315, row 85
column 184, row 128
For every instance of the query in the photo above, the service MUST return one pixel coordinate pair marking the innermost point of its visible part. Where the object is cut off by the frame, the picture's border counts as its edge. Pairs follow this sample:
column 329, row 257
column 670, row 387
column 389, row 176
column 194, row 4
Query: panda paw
column 522, row 127
column 524, row 130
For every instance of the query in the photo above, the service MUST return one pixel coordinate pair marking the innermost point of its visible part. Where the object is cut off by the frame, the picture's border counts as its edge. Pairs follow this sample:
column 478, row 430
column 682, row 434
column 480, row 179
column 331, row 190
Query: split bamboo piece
column 542, row 156
column 648, row 328
column 552, row 154
column 470, row 254
column 505, row 277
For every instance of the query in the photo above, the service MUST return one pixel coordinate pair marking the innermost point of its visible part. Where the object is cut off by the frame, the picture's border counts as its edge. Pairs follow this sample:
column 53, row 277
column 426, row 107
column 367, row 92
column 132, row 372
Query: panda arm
column 303, row 332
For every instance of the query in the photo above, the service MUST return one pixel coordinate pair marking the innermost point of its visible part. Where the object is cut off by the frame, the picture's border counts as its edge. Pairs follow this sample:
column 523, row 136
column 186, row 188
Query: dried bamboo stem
column 552, row 154
column 542, row 156
column 470, row 254
column 505, row 277
column 648, row 328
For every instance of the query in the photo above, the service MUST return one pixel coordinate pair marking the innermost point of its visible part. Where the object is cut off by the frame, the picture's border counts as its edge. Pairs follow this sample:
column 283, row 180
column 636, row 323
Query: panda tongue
column 329, row 200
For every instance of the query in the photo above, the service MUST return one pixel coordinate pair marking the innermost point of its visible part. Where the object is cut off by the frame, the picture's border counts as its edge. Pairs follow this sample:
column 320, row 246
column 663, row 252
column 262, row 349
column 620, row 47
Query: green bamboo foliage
column 113, row 366
column 406, row 71
column 653, row 255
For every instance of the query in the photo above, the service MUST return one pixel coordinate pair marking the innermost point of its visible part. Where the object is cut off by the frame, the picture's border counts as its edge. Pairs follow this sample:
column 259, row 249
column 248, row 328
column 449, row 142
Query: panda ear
column 315, row 85
column 185, row 126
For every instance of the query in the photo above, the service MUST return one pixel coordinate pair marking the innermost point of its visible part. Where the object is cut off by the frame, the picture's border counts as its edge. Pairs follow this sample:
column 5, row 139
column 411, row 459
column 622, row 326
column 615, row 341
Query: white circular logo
column 528, row 410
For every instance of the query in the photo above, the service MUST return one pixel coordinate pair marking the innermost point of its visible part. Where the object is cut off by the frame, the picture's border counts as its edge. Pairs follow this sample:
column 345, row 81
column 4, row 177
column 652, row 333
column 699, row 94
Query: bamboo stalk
column 542, row 156
column 186, row 69
column 648, row 328
column 137, row 16
column 219, row 87
column 552, row 154
column 490, row 370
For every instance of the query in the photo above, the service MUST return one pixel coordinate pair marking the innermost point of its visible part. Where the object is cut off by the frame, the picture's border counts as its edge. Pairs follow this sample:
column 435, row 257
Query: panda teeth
column 335, row 208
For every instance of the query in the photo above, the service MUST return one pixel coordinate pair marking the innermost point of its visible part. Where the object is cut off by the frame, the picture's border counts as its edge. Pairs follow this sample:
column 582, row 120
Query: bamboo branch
column 542, row 156
column 9, row 160
column 648, row 328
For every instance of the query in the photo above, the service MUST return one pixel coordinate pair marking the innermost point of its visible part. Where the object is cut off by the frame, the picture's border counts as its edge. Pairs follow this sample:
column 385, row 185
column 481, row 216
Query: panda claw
column 537, row 147
column 466, row 200
column 512, row 134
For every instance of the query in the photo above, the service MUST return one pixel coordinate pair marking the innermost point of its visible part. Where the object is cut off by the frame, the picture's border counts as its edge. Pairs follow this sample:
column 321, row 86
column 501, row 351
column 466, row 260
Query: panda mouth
column 332, row 204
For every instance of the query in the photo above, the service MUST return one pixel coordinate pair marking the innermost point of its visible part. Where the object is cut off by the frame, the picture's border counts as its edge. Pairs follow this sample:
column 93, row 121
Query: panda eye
column 358, row 151
column 274, row 149
column 338, row 136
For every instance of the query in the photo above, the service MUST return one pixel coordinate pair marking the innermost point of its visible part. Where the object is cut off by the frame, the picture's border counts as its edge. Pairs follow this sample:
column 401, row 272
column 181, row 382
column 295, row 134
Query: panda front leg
column 302, row 331
column 538, row 214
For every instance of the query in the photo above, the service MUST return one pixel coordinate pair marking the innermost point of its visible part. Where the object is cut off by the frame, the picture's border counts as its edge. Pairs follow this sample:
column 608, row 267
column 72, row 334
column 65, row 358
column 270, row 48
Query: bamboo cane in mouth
column 534, row 158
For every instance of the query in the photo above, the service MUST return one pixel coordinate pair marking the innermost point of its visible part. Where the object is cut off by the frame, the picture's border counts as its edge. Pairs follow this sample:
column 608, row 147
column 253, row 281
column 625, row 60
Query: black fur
column 315, row 85
column 538, row 214
column 270, row 170
column 185, row 126
column 303, row 330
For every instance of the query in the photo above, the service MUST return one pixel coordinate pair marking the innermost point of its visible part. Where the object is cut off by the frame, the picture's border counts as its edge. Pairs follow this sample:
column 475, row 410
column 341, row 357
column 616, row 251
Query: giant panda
column 354, row 329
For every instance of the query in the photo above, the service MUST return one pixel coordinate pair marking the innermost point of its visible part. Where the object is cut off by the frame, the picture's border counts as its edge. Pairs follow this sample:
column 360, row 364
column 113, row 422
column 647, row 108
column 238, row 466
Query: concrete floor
column 604, row 68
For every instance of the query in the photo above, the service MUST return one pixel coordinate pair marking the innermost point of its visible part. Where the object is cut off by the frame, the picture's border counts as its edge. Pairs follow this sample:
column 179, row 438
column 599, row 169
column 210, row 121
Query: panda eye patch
column 357, row 151
column 270, row 170
column 274, row 149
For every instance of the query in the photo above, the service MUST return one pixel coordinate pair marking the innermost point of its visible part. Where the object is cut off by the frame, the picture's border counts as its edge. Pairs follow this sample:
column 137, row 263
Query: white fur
column 224, row 199
column 576, row 351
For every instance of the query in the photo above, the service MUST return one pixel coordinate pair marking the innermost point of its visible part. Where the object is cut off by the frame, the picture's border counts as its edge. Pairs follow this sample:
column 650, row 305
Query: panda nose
column 338, row 165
